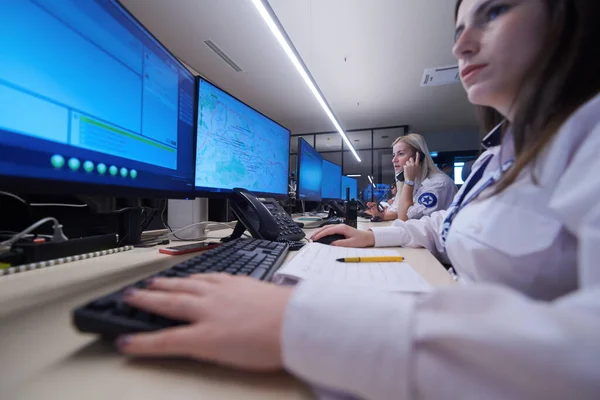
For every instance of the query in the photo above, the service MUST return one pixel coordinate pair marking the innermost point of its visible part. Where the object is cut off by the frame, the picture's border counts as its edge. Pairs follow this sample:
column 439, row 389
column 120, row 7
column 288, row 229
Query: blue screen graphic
column 352, row 184
column 332, row 181
column 310, row 172
column 88, row 95
column 237, row 146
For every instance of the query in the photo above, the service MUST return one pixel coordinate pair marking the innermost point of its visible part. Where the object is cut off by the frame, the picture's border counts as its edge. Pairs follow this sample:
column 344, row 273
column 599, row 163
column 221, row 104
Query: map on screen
column 238, row 147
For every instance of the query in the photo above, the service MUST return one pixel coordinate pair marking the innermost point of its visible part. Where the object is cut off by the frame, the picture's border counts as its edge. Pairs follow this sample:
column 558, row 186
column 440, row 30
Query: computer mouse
column 376, row 218
column 330, row 238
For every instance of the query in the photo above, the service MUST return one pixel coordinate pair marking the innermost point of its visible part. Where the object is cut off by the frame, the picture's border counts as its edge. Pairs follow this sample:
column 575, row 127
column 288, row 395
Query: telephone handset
column 400, row 175
column 335, row 209
column 263, row 218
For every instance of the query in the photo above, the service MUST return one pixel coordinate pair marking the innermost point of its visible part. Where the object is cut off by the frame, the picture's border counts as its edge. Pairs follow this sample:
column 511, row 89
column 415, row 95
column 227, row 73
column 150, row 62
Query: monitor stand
column 188, row 213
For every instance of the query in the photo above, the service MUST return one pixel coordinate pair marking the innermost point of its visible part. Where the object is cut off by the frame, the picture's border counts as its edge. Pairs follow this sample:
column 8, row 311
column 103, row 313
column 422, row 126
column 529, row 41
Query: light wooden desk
column 43, row 357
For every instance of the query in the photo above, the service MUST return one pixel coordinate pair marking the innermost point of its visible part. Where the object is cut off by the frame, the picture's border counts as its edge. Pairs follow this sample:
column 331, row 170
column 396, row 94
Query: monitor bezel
column 226, row 193
column 320, row 198
column 340, row 188
column 344, row 194
column 57, row 186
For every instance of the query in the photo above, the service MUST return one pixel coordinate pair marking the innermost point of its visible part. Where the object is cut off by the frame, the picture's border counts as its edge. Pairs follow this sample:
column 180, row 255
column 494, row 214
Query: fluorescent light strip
column 289, row 49
column 371, row 180
column 354, row 176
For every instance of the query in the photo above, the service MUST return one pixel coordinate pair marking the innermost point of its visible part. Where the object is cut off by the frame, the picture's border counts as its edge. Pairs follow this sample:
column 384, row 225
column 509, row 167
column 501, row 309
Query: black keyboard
column 110, row 316
column 294, row 245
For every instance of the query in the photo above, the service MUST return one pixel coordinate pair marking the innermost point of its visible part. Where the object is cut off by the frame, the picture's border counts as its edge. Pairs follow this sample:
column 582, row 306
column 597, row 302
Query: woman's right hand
column 354, row 237
column 374, row 211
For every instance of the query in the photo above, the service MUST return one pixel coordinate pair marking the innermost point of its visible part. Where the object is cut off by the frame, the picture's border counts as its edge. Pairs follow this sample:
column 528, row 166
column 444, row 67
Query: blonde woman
column 422, row 187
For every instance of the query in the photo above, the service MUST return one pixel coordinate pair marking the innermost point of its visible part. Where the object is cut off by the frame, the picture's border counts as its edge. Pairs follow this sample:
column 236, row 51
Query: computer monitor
column 91, row 103
column 332, row 181
column 310, row 172
column 236, row 146
column 351, row 183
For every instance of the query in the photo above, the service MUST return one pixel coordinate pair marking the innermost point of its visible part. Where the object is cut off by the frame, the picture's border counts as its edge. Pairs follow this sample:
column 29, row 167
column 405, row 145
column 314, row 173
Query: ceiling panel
column 367, row 57
column 360, row 139
column 383, row 138
column 328, row 142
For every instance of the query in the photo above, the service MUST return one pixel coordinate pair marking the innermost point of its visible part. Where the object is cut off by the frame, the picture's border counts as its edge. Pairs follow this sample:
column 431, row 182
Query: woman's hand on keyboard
column 234, row 321
column 354, row 237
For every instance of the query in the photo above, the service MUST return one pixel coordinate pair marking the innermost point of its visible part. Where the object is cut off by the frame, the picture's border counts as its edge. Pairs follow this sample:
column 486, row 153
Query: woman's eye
column 495, row 11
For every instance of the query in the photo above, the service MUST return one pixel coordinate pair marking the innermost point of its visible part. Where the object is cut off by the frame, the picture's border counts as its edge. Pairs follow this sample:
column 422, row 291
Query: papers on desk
column 318, row 261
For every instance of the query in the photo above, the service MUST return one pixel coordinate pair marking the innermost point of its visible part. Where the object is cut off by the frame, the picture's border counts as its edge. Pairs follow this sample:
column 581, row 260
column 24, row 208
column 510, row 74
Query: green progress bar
column 124, row 133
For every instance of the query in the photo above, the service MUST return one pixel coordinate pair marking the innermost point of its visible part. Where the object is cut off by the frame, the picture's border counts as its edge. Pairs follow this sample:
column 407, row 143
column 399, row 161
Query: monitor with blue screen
column 332, row 181
column 92, row 102
column 352, row 184
column 238, row 147
column 310, row 172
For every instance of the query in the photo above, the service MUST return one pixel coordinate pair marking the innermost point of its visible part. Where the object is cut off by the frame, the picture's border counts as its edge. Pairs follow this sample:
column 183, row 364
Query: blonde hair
column 417, row 143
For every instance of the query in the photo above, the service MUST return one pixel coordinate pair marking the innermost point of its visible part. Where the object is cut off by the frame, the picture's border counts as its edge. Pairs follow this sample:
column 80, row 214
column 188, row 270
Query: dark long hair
column 565, row 75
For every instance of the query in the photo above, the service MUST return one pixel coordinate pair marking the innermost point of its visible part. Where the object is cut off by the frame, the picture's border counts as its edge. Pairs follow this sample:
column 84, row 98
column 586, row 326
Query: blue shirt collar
column 494, row 137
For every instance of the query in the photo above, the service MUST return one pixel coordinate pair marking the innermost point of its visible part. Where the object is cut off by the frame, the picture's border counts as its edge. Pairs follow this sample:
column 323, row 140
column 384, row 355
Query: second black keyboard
column 109, row 316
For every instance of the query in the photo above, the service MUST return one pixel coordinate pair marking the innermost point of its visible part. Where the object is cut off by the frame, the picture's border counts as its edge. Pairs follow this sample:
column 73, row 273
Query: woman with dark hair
column 535, row 63
column 516, row 220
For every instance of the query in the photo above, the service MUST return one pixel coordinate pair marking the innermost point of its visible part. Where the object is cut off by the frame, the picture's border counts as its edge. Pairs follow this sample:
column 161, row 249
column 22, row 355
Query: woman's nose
column 467, row 44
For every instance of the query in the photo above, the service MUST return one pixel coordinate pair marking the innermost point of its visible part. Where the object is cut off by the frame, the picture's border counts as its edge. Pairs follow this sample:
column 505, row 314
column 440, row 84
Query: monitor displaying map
column 238, row 147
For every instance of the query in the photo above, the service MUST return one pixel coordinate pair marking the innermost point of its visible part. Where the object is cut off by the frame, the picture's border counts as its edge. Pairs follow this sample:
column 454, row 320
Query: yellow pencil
column 371, row 259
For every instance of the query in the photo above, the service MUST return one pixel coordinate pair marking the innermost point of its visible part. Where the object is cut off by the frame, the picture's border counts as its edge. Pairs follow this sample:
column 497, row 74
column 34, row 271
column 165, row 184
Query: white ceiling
column 367, row 56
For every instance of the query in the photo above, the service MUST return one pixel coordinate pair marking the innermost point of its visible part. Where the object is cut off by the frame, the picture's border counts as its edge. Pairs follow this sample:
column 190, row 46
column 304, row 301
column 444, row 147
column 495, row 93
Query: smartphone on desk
column 188, row 248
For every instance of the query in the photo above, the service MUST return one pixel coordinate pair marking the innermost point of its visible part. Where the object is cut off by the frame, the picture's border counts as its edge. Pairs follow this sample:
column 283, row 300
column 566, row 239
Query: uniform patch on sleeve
column 428, row 200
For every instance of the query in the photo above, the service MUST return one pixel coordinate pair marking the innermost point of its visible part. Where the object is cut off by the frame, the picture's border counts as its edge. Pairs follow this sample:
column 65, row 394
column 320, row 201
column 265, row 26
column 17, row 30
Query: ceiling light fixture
column 268, row 15
column 354, row 175
column 371, row 180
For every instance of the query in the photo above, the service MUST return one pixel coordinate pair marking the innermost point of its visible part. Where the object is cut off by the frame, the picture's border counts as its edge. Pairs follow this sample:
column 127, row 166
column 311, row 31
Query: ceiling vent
column 221, row 54
column 440, row 76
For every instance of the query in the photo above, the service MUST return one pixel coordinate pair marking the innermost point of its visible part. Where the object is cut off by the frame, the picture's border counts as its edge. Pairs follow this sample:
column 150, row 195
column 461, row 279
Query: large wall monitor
column 91, row 102
column 310, row 172
column 332, row 181
column 351, row 183
column 236, row 146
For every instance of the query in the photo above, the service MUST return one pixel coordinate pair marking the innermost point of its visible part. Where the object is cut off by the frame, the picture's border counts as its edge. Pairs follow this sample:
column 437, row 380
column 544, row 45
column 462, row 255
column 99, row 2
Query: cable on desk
column 58, row 205
column 173, row 232
column 57, row 236
column 14, row 196
column 166, row 224
column 22, row 200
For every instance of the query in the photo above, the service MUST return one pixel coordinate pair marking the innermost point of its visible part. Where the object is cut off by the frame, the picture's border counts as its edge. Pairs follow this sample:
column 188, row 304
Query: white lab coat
column 527, row 236
column 433, row 194
column 479, row 341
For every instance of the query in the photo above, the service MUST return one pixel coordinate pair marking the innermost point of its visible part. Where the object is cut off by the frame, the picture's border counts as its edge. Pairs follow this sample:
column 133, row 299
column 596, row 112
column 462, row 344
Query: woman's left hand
column 412, row 168
column 234, row 320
